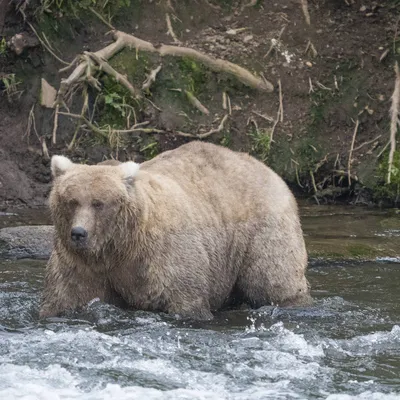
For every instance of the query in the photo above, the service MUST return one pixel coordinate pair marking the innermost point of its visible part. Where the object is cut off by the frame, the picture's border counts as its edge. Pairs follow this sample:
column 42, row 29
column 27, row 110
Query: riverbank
column 324, row 127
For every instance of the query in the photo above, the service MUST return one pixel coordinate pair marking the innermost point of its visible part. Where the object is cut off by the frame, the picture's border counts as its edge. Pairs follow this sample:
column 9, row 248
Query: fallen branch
column 351, row 151
column 394, row 120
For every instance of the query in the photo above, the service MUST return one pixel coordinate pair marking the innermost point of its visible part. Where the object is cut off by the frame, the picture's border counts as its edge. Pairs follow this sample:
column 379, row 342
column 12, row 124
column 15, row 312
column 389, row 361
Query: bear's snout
column 79, row 235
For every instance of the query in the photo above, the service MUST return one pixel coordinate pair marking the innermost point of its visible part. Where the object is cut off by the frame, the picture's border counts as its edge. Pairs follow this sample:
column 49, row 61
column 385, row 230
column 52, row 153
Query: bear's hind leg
column 274, row 269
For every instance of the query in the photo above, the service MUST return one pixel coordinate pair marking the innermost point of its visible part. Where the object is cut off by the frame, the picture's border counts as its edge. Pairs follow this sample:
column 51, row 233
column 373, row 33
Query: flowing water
column 347, row 345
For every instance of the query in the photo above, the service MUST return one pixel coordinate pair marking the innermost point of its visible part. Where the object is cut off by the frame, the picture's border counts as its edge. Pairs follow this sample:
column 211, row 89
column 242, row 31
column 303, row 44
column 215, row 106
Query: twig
column 365, row 143
column 351, row 151
column 313, row 182
column 100, row 17
column 383, row 150
column 196, row 102
column 151, row 78
column 46, row 46
column 86, row 121
column 319, row 84
column 304, row 7
column 206, row 134
column 212, row 131
column 170, row 29
column 55, row 125
column 280, row 100
column 311, row 90
column 311, row 47
column 394, row 120
column 274, row 42
column 297, row 177
column 269, row 119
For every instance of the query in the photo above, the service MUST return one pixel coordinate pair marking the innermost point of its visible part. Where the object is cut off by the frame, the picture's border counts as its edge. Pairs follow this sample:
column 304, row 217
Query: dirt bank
column 334, row 72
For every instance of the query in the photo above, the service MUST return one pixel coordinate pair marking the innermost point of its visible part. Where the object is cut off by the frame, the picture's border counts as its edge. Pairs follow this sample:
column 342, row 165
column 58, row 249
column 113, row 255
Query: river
column 347, row 345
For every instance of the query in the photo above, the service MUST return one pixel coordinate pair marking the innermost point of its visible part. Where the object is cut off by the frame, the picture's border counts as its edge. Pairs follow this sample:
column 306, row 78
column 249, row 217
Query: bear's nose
column 78, row 234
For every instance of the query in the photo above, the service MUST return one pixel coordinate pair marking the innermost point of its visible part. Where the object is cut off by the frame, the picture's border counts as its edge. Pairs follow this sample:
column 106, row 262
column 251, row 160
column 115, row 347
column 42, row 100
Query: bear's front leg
column 70, row 285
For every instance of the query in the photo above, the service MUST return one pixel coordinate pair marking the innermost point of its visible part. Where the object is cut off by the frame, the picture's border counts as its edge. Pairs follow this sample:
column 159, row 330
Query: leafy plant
column 10, row 83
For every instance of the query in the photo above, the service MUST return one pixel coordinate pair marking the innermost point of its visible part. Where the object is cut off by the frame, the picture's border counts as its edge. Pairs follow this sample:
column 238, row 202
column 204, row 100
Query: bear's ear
column 60, row 165
column 129, row 170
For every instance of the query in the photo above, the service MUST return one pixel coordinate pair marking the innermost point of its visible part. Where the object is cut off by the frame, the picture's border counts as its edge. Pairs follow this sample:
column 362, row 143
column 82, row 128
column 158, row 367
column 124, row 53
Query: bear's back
column 233, row 177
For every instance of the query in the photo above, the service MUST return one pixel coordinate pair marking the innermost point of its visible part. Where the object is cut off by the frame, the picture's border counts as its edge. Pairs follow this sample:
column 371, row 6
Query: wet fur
column 194, row 230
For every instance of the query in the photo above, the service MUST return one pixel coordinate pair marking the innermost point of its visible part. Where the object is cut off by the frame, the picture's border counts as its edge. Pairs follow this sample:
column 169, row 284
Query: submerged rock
column 26, row 242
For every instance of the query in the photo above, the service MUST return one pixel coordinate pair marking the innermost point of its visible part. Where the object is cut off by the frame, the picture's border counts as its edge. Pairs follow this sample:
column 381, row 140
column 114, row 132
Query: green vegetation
column 10, row 83
column 70, row 8
column 3, row 46
column 382, row 190
column 261, row 143
column 149, row 147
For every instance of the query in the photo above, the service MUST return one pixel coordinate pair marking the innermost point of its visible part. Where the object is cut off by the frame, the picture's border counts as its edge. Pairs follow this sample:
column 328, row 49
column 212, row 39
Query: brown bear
column 194, row 230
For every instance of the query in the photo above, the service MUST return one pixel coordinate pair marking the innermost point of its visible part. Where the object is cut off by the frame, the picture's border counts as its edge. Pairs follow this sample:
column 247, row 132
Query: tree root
column 106, row 67
column 394, row 120
column 304, row 7
column 151, row 78
column 123, row 40
column 351, row 151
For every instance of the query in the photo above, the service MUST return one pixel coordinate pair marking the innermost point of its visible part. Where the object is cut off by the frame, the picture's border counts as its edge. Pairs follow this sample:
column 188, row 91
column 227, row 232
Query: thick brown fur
column 194, row 230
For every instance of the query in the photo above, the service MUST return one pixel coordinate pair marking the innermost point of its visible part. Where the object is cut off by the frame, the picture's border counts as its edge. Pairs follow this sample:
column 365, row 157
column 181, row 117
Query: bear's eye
column 97, row 204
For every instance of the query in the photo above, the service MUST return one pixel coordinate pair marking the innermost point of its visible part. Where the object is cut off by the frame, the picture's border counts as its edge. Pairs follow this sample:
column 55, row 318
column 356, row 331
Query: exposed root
column 206, row 134
column 313, row 182
column 366, row 143
column 151, row 78
column 394, row 120
column 106, row 67
column 55, row 125
column 31, row 123
column 311, row 90
column 194, row 101
column 170, row 31
column 304, row 7
column 100, row 17
column 106, row 132
column 280, row 100
column 46, row 46
column 351, row 152
column 274, row 42
column 311, row 48
column 123, row 40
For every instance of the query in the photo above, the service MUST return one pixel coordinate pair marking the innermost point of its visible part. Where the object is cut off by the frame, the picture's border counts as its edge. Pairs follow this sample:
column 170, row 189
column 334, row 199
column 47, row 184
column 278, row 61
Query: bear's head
column 87, row 201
